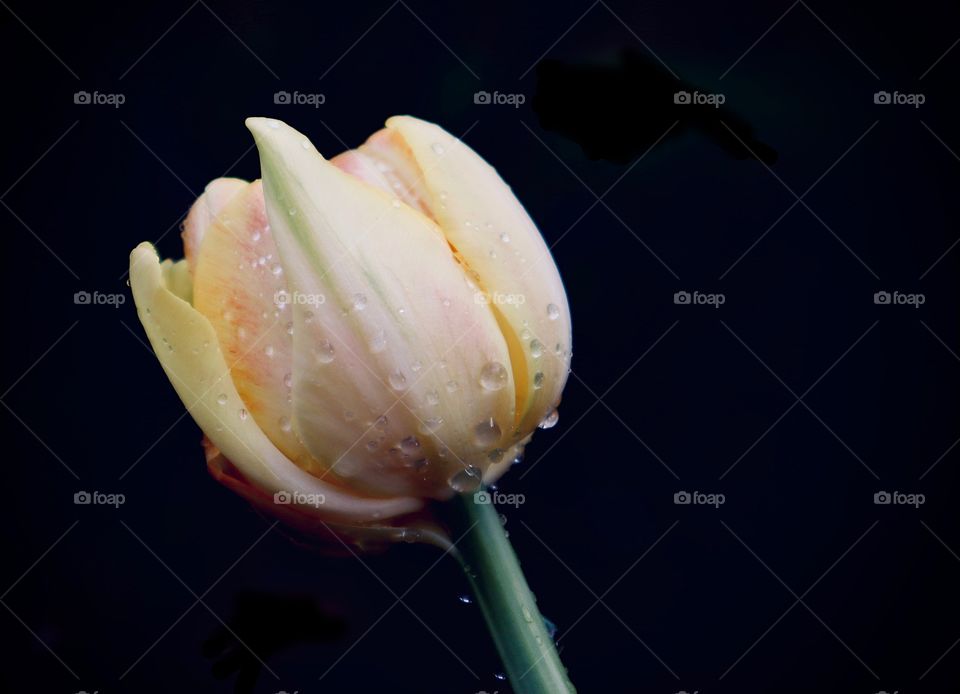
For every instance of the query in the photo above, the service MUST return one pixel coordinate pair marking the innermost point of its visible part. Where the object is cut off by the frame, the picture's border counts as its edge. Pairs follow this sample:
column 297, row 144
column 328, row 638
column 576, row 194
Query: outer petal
column 386, row 324
column 215, row 197
column 239, row 286
column 496, row 238
column 186, row 345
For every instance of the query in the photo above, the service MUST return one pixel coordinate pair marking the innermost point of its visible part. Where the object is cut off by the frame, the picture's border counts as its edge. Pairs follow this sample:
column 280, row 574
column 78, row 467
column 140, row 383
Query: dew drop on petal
column 550, row 420
column 359, row 302
column 285, row 424
column 222, row 399
column 486, row 433
column 536, row 348
column 324, row 352
column 538, row 380
column 288, row 380
column 397, row 380
column 378, row 342
column 493, row 376
column 431, row 424
column 553, row 311
column 410, row 445
column 242, row 413
column 466, row 480
column 505, row 237
column 437, row 148
column 452, row 386
column 433, row 398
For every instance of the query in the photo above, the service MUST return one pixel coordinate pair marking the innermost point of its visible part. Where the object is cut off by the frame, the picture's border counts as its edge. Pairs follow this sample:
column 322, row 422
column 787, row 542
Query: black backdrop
column 798, row 399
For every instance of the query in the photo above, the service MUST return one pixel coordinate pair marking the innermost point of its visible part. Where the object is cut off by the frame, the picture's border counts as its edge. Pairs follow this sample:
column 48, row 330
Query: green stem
column 526, row 649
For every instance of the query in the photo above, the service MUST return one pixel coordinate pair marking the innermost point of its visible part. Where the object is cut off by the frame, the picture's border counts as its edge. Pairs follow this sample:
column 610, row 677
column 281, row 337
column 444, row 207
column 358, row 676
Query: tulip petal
column 186, row 345
column 388, row 328
column 239, row 286
column 496, row 238
column 202, row 213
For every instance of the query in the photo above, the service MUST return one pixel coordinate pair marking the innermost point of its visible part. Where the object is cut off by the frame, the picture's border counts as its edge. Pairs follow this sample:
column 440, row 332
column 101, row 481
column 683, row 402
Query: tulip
column 359, row 336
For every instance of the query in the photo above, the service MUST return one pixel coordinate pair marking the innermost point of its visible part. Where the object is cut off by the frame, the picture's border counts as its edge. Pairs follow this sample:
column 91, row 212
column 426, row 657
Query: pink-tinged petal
column 186, row 346
column 394, row 330
column 201, row 215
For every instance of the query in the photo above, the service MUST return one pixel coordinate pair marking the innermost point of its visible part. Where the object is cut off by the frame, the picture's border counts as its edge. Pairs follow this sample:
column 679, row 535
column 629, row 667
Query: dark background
column 692, row 598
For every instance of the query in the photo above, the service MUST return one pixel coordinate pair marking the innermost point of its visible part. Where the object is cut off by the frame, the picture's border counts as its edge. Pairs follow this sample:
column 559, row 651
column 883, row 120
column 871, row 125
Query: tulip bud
column 360, row 334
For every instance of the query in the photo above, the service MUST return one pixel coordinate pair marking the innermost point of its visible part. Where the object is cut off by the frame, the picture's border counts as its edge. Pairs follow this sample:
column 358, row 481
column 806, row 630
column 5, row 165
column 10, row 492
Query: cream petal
column 186, row 345
column 496, row 238
column 386, row 320
column 202, row 213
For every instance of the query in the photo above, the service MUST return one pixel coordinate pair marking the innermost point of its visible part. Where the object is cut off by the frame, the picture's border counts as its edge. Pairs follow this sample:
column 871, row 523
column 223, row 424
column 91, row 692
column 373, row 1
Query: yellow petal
column 496, row 238
column 386, row 324
column 186, row 345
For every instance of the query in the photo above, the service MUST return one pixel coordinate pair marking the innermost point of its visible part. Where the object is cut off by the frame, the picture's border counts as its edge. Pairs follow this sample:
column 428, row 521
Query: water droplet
column 290, row 328
column 286, row 425
column 277, row 269
column 222, row 399
column 396, row 203
column 432, row 424
column 496, row 455
column 272, row 124
column 466, row 480
column 292, row 212
column 446, row 303
column 536, row 348
column 305, row 143
column 410, row 446
column 452, row 386
column 349, row 415
column 288, row 380
column 493, row 254
column 553, row 311
column 433, row 398
column 416, row 366
column 242, row 413
column 505, row 237
column 466, row 599
column 538, row 380
column 324, row 352
column 500, row 676
column 397, row 380
column 550, row 627
column 269, row 351
column 255, row 236
column 550, row 420
column 378, row 342
column 359, row 302
column 486, row 433
column 493, row 376
column 372, row 444
column 437, row 148
column 381, row 422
